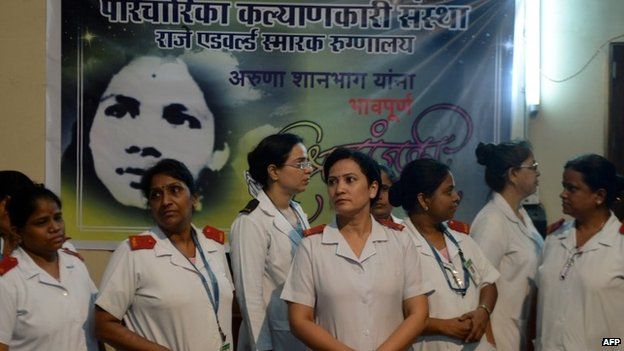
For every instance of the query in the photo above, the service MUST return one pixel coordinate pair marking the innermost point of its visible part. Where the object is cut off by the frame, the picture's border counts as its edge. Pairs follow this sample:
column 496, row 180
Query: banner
column 204, row 81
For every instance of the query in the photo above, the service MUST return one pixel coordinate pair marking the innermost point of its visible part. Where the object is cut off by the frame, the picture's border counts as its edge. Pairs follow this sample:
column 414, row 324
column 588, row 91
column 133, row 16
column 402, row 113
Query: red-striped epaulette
column 314, row 230
column 73, row 253
column 554, row 226
column 6, row 264
column 391, row 224
column 141, row 242
column 214, row 234
column 459, row 226
column 622, row 229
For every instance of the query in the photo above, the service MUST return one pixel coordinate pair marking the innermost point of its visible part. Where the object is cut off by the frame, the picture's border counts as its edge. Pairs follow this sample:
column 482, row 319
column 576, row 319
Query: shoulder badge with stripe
column 214, row 234
column 622, row 229
column 141, row 242
column 459, row 226
column 73, row 253
column 314, row 230
column 554, row 226
column 6, row 264
column 251, row 205
column 391, row 224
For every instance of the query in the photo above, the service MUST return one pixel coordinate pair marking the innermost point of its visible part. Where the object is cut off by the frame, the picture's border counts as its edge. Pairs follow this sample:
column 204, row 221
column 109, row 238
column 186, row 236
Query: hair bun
column 394, row 194
column 484, row 153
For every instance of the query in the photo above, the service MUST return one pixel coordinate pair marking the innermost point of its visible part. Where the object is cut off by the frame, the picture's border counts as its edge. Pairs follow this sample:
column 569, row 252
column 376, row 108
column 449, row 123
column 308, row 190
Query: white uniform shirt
column 357, row 300
column 160, row 296
column 39, row 312
column 588, row 305
column 263, row 244
column 514, row 247
column 445, row 303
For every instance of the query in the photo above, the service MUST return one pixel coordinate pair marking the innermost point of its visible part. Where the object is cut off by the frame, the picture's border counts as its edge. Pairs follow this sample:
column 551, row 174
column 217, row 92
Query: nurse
column 168, row 288
column 263, row 240
column 581, row 277
column 508, row 238
column 463, row 278
column 355, row 284
column 382, row 209
column 11, row 183
column 46, row 294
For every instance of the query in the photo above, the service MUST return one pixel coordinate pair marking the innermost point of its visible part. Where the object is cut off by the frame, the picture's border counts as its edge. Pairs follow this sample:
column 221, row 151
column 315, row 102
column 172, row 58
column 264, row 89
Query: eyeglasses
column 300, row 165
column 532, row 167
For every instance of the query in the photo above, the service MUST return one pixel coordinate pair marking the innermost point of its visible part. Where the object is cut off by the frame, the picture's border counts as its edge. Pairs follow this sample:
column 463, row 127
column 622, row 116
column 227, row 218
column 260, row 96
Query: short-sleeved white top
column 160, row 295
column 263, row 244
column 514, row 247
column 358, row 300
column 445, row 303
column 39, row 312
column 577, row 312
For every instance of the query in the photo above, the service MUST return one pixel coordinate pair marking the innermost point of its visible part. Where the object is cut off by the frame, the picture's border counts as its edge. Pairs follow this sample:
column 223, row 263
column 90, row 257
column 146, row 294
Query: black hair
column 368, row 166
column 13, row 182
column 170, row 167
column 598, row 173
column 497, row 159
column 419, row 176
column 272, row 150
column 384, row 169
column 24, row 204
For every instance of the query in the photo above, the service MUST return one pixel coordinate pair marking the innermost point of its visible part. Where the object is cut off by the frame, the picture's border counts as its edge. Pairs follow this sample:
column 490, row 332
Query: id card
column 225, row 347
column 473, row 272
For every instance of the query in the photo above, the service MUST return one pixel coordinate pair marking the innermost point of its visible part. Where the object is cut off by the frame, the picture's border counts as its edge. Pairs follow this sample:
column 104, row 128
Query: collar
column 332, row 236
column 499, row 201
column 526, row 226
column 164, row 247
column 606, row 237
column 423, row 246
column 30, row 270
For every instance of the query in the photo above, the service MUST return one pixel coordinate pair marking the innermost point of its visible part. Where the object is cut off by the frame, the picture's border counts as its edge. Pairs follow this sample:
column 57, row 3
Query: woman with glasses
column 168, row 288
column 264, row 238
column 509, row 239
column 356, row 284
column 382, row 209
column 581, row 276
column 463, row 278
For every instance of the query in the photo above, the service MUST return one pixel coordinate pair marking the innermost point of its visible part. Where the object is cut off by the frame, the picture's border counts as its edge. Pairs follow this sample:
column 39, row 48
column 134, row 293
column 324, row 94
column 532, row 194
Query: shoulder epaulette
column 459, row 226
column 214, row 234
column 6, row 264
column 141, row 242
column 622, row 229
column 73, row 253
column 391, row 224
column 554, row 226
column 314, row 230
column 251, row 205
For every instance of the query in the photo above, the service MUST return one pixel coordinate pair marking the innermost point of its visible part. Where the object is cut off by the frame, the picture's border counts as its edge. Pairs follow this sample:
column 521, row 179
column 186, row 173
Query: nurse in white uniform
column 46, row 294
column 581, row 277
column 509, row 239
column 356, row 284
column 463, row 278
column 382, row 209
column 11, row 183
column 263, row 240
column 170, row 285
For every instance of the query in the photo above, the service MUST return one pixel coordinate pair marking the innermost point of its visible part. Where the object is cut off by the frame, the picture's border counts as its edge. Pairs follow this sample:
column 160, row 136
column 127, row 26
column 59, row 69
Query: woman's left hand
column 480, row 319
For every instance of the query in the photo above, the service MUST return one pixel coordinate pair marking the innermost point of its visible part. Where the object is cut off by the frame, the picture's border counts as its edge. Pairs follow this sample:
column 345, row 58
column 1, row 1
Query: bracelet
column 487, row 309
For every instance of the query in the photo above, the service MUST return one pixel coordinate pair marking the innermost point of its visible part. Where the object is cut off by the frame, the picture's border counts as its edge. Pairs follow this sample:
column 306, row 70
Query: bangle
column 487, row 309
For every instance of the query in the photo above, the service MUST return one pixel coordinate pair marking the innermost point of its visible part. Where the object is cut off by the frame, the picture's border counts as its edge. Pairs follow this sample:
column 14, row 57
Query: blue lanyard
column 214, row 300
column 460, row 290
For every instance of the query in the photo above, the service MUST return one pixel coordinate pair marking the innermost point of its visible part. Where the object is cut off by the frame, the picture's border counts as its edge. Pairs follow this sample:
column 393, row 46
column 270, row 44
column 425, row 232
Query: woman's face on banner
column 152, row 109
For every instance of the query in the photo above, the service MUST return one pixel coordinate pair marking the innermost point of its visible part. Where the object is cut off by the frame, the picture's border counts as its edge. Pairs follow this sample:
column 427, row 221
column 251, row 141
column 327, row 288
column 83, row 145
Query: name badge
column 476, row 278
